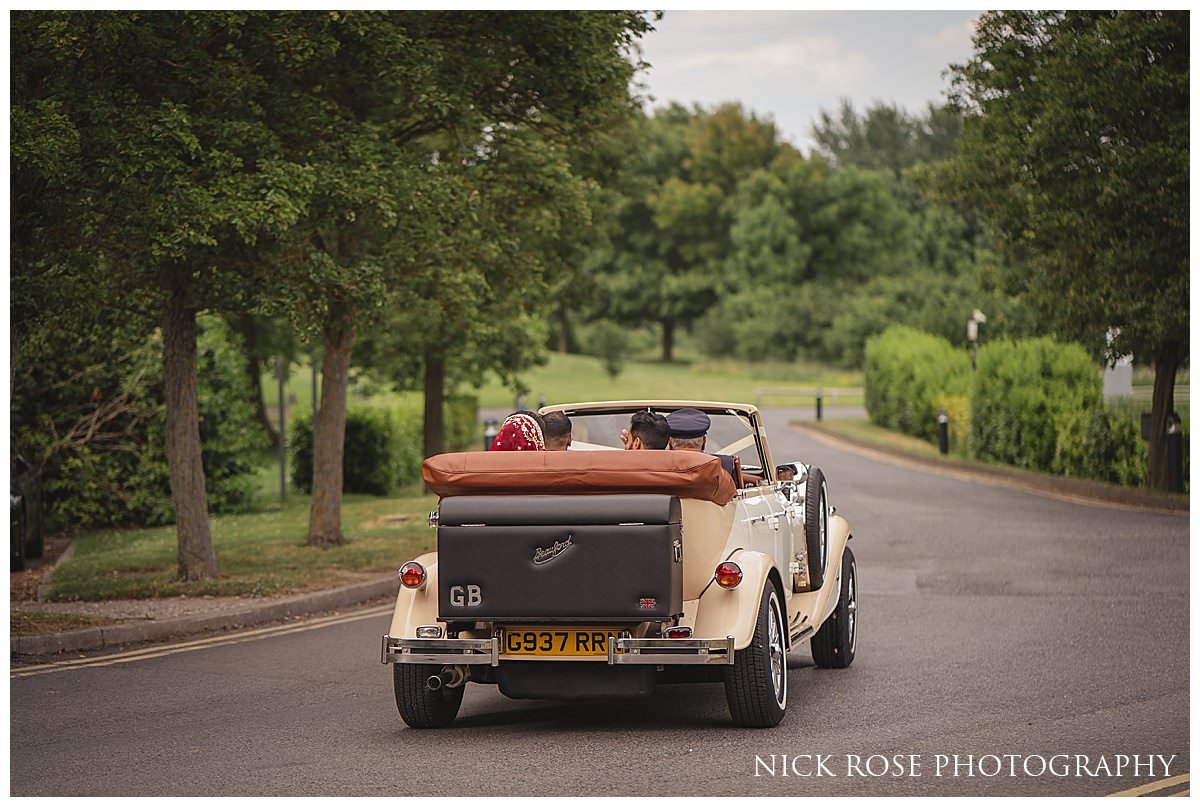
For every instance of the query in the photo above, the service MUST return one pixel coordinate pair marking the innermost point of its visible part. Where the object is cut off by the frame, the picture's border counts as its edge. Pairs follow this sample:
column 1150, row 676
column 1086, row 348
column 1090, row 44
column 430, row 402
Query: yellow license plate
column 550, row 641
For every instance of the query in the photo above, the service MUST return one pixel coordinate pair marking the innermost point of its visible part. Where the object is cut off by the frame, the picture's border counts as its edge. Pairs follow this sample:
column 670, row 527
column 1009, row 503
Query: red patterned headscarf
column 519, row 433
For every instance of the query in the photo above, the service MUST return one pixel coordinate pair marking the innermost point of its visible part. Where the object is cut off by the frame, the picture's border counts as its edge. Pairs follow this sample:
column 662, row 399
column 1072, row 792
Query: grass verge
column 31, row 623
column 259, row 554
column 868, row 432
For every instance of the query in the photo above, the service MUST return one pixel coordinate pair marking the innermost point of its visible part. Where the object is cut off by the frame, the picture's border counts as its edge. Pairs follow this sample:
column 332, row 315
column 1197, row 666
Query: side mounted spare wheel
column 420, row 706
column 834, row 643
column 816, row 527
column 756, row 683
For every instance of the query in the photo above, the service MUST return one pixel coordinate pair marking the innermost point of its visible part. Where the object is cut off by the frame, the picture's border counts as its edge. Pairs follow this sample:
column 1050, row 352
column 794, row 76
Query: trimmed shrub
column 908, row 376
column 369, row 464
column 384, row 442
column 1103, row 443
column 1023, row 393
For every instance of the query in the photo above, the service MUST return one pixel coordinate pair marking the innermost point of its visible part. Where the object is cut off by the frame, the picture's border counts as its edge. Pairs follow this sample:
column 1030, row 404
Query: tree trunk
column 435, row 398
column 197, row 561
column 329, row 440
column 668, row 340
column 247, row 328
column 564, row 342
column 1166, row 363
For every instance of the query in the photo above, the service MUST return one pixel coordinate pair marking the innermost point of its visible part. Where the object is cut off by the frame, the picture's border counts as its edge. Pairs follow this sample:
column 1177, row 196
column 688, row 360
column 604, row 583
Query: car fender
column 810, row 609
column 418, row 607
column 734, row 611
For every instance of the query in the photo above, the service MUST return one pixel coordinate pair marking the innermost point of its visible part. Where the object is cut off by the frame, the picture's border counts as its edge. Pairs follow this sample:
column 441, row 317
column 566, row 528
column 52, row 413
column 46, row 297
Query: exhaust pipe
column 449, row 677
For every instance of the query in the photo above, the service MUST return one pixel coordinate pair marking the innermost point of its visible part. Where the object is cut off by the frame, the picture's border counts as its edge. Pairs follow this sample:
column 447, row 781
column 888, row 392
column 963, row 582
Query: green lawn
column 259, row 554
column 572, row 377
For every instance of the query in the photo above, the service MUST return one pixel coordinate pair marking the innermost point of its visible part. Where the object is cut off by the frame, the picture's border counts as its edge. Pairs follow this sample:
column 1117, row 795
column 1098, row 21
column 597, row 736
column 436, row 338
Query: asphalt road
column 993, row 622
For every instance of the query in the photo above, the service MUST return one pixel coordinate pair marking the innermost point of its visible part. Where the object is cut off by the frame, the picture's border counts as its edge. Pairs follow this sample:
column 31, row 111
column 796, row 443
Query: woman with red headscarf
column 521, row 431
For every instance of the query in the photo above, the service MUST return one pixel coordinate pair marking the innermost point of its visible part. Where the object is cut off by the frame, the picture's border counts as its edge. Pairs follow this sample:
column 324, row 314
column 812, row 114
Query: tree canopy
column 1076, row 147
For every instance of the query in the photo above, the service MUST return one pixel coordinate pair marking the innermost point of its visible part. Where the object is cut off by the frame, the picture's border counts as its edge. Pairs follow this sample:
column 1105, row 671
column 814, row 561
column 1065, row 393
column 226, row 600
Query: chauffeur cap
column 685, row 423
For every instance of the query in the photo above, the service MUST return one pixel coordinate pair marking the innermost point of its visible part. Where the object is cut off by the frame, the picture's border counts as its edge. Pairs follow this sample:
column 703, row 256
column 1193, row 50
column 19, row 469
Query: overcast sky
column 792, row 64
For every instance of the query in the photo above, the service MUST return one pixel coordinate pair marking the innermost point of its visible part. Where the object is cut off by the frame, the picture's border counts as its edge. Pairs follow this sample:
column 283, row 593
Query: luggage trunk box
column 556, row 559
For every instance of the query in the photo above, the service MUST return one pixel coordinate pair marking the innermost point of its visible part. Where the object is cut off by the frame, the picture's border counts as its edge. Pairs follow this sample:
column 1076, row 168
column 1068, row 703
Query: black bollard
column 1174, row 455
column 943, row 432
column 818, row 404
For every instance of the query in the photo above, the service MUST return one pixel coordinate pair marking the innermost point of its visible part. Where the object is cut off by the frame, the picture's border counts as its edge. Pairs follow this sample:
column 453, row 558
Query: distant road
column 993, row 622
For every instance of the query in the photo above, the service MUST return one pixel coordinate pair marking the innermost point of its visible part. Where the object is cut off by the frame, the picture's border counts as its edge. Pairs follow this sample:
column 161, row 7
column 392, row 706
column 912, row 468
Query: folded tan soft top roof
column 687, row 474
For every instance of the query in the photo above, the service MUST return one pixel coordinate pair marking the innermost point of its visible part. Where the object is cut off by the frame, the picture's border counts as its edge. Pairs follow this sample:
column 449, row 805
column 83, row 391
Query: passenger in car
column 647, row 430
column 521, row 431
column 557, row 431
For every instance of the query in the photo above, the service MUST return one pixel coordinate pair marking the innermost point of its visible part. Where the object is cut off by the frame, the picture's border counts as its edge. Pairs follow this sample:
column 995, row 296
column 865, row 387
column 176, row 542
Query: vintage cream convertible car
column 598, row 573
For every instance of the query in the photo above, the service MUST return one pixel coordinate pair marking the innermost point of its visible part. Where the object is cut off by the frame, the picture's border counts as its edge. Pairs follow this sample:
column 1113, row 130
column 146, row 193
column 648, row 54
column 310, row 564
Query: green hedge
column 1033, row 403
column 1025, row 394
column 1102, row 443
column 908, row 376
column 125, row 482
column 384, row 441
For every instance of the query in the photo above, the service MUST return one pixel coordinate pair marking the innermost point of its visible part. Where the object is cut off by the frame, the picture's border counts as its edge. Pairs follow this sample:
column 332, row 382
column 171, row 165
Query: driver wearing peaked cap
column 688, row 424
column 689, row 430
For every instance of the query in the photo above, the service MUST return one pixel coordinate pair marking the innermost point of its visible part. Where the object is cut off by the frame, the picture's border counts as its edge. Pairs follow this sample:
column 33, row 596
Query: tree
column 168, row 188
column 885, row 137
column 668, row 253
column 373, row 91
column 477, row 298
column 1076, row 146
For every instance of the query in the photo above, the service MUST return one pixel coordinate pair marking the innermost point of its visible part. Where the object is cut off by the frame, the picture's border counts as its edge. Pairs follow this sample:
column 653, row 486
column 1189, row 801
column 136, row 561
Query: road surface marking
column 1151, row 787
column 198, row 644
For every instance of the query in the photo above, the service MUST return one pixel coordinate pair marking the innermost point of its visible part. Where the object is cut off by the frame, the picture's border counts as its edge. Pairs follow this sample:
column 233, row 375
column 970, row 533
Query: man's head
column 689, row 429
column 558, row 431
column 647, row 430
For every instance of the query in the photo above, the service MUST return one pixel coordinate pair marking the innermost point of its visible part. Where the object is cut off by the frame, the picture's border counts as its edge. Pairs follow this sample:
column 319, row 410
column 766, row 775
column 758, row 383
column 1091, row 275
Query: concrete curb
column 153, row 631
column 1068, row 488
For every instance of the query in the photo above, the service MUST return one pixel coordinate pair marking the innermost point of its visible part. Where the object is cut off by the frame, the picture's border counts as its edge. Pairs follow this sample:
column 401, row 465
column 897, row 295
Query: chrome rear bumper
column 440, row 651
column 670, row 651
column 620, row 651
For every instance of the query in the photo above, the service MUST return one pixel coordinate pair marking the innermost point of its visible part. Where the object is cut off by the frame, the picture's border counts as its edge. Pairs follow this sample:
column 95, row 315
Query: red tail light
column 680, row 632
column 412, row 575
column 728, row 574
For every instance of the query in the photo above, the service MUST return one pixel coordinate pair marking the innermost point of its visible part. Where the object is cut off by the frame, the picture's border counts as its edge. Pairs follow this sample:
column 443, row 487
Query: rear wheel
column 420, row 707
column 756, row 684
column 833, row 646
